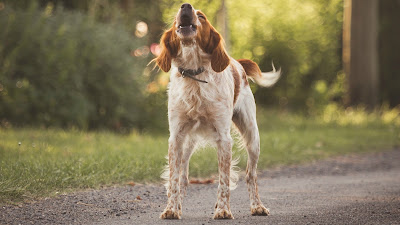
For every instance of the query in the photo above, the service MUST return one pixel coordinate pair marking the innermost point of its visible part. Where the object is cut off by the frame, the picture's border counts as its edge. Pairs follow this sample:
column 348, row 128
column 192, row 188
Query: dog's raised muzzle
column 186, row 16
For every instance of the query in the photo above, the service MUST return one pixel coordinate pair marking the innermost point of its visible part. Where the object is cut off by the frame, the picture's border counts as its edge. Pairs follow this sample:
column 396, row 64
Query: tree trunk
column 360, row 52
column 389, row 51
column 222, row 24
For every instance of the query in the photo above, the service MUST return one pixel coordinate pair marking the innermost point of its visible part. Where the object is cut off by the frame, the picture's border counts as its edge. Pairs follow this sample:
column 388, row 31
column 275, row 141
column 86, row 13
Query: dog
column 207, row 91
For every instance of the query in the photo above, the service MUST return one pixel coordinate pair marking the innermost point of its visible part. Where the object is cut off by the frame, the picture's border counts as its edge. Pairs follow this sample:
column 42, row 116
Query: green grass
column 52, row 161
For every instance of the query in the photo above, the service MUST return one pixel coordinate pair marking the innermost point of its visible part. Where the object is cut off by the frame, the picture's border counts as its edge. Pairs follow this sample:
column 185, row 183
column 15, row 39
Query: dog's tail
column 252, row 70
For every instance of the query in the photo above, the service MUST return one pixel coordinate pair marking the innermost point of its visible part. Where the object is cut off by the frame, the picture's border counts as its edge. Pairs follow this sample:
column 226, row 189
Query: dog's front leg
column 173, row 209
column 222, row 207
column 175, row 151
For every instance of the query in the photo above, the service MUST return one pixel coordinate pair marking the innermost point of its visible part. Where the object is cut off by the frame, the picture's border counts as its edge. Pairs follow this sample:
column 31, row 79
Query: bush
column 303, row 38
column 63, row 69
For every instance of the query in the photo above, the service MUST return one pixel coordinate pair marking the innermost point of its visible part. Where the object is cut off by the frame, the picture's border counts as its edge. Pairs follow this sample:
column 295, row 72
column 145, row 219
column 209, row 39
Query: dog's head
column 192, row 27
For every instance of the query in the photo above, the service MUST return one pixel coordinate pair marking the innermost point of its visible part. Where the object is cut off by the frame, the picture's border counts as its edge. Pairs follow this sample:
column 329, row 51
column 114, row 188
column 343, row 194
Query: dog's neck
column 191, row 56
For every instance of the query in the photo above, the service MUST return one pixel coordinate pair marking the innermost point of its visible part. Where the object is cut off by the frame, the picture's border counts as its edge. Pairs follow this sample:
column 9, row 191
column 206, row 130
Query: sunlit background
column 84, row 63
column 81, row 107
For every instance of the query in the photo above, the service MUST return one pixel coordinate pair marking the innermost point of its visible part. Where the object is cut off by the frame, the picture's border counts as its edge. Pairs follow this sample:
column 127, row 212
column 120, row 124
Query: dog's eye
column 201, row 17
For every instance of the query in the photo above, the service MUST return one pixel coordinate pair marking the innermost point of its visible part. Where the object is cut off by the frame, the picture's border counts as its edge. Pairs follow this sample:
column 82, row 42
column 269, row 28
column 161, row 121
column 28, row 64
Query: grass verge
column 44, row 162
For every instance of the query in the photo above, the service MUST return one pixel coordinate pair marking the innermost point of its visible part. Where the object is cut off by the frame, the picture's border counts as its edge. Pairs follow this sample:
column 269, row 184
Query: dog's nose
column 186, row 6
column 186, row 14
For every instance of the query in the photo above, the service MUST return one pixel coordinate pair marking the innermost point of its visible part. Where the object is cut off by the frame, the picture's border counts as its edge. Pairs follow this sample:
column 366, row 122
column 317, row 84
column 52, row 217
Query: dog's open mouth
column 187, row 29
column 190, row 26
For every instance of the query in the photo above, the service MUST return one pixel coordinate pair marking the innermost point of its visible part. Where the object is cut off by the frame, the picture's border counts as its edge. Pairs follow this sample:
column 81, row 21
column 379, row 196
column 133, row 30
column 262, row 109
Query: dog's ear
column 212, row 43
column 169, row 49
column 219, row 57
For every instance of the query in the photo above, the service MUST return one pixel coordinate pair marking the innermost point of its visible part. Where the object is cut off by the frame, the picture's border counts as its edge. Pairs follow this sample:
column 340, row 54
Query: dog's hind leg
column 244, row 117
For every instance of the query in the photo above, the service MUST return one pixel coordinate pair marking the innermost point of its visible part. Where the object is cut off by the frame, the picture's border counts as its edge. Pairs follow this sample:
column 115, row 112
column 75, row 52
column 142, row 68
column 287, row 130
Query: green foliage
column 303, row 38
column 60, row 68
column 73, row 68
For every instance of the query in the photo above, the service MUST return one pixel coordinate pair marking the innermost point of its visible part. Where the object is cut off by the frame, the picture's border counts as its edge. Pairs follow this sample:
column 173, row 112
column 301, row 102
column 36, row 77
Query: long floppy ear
column 169, row 49
column 219, row 57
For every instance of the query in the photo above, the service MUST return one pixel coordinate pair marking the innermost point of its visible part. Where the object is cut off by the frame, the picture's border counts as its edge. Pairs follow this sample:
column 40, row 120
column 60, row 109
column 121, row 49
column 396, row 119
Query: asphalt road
column 353, row 189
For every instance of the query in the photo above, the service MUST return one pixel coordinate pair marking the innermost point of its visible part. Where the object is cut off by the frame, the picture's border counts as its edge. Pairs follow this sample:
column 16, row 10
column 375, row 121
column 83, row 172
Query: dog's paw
column 222, row 214
column 171, row 214
column 259, row 210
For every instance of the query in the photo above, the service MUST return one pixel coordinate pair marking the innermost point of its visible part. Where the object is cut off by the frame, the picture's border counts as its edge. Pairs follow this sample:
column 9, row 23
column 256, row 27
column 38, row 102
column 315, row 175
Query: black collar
column 192, row 73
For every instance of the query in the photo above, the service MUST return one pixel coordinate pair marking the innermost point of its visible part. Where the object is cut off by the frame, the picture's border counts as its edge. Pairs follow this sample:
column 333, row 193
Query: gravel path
column 353, row 189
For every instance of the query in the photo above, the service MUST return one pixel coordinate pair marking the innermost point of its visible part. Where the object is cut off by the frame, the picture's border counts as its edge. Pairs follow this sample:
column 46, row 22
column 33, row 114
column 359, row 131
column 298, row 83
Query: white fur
column 202, row 113
column 268, row 79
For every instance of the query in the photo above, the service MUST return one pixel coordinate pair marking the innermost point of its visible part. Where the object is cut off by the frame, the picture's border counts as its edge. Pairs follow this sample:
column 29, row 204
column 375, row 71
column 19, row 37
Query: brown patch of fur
column 251, row 68
column 211, row 42
column 236, row 78
column 244, row 77
column 169, row 49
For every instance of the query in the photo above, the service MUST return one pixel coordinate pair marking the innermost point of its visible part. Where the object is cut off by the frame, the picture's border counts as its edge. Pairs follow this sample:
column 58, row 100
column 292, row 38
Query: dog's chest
column 195, row 100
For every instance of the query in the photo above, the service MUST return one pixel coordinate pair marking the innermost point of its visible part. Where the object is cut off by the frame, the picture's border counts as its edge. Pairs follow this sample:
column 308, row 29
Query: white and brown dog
column 207, row 91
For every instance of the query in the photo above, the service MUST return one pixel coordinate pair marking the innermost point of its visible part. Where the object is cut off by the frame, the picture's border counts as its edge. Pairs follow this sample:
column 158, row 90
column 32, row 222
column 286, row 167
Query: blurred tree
column 361, row 51
column 223, row 24
column 59, row 68
column 68, row 4
column 389, row 51
column 125, row 11
column 302, row 37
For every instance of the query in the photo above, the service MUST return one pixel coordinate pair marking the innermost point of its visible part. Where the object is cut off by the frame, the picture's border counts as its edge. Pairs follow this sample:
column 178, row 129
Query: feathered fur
column 202, row 113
